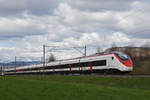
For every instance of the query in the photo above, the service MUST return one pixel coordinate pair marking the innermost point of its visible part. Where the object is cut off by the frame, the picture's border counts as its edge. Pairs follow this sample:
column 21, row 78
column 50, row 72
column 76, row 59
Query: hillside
column 140, row 57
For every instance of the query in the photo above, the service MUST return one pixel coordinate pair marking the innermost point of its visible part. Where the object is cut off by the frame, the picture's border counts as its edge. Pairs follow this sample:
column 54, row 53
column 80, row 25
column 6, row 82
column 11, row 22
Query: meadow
column 74, row 88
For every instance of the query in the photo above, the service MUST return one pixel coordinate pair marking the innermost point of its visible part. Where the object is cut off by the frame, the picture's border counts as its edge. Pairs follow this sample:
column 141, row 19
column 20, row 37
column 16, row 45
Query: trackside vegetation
column 74, row 88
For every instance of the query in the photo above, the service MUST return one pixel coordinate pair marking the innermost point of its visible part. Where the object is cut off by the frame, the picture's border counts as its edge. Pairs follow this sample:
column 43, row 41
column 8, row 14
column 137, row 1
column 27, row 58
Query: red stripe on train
column 127, row 63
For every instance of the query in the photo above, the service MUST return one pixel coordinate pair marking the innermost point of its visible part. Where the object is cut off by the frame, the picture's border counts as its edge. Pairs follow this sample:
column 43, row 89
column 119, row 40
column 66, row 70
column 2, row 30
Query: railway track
column 94, row 75
column 129, row 75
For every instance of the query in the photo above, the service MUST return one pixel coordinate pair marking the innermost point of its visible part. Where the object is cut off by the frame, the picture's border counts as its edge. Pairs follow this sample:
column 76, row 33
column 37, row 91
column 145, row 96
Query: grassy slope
column 143, row 67
column 74, row 88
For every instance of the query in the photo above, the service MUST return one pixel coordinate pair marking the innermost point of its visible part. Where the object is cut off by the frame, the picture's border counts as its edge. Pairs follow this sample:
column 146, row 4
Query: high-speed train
column 114, row 61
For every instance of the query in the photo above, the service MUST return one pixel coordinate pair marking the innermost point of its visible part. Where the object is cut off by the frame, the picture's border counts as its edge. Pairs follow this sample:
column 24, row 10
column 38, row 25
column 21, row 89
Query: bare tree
column 99, row 50
column 113, row 47
column 51, row 58
column 147, row 44
column 146, row 49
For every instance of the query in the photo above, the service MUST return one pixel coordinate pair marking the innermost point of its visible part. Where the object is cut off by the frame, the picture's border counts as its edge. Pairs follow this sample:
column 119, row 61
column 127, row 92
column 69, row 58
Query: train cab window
column 122, row 56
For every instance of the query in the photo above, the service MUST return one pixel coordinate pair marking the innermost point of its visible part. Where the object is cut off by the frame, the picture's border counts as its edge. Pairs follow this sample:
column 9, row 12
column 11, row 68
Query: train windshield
column 122, row 56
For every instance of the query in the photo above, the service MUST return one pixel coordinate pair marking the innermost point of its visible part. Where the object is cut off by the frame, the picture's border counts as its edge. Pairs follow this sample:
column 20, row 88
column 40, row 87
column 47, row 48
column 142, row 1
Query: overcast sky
column 25, row 25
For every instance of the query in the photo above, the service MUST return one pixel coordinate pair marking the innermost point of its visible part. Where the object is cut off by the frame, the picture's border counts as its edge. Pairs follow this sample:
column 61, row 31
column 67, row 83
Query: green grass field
column 74, row 88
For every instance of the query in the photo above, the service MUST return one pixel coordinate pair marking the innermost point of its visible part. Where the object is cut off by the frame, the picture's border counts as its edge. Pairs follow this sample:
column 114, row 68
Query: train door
column 110, row 62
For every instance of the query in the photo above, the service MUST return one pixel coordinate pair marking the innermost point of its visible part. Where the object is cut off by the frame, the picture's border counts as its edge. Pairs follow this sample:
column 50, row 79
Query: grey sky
column 25, row 25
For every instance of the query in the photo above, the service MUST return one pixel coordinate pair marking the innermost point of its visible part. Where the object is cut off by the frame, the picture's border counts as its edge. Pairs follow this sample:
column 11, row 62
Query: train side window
column 99, row 63
column 84, row 64
column 64, row 66
column 75, row 65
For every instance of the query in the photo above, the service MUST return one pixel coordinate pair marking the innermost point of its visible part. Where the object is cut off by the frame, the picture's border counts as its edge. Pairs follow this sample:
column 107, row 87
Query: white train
column 102, row 62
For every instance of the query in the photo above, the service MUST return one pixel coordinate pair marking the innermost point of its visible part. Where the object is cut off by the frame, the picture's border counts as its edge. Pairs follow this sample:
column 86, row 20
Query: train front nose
column 127, row 63
column 124, row 59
